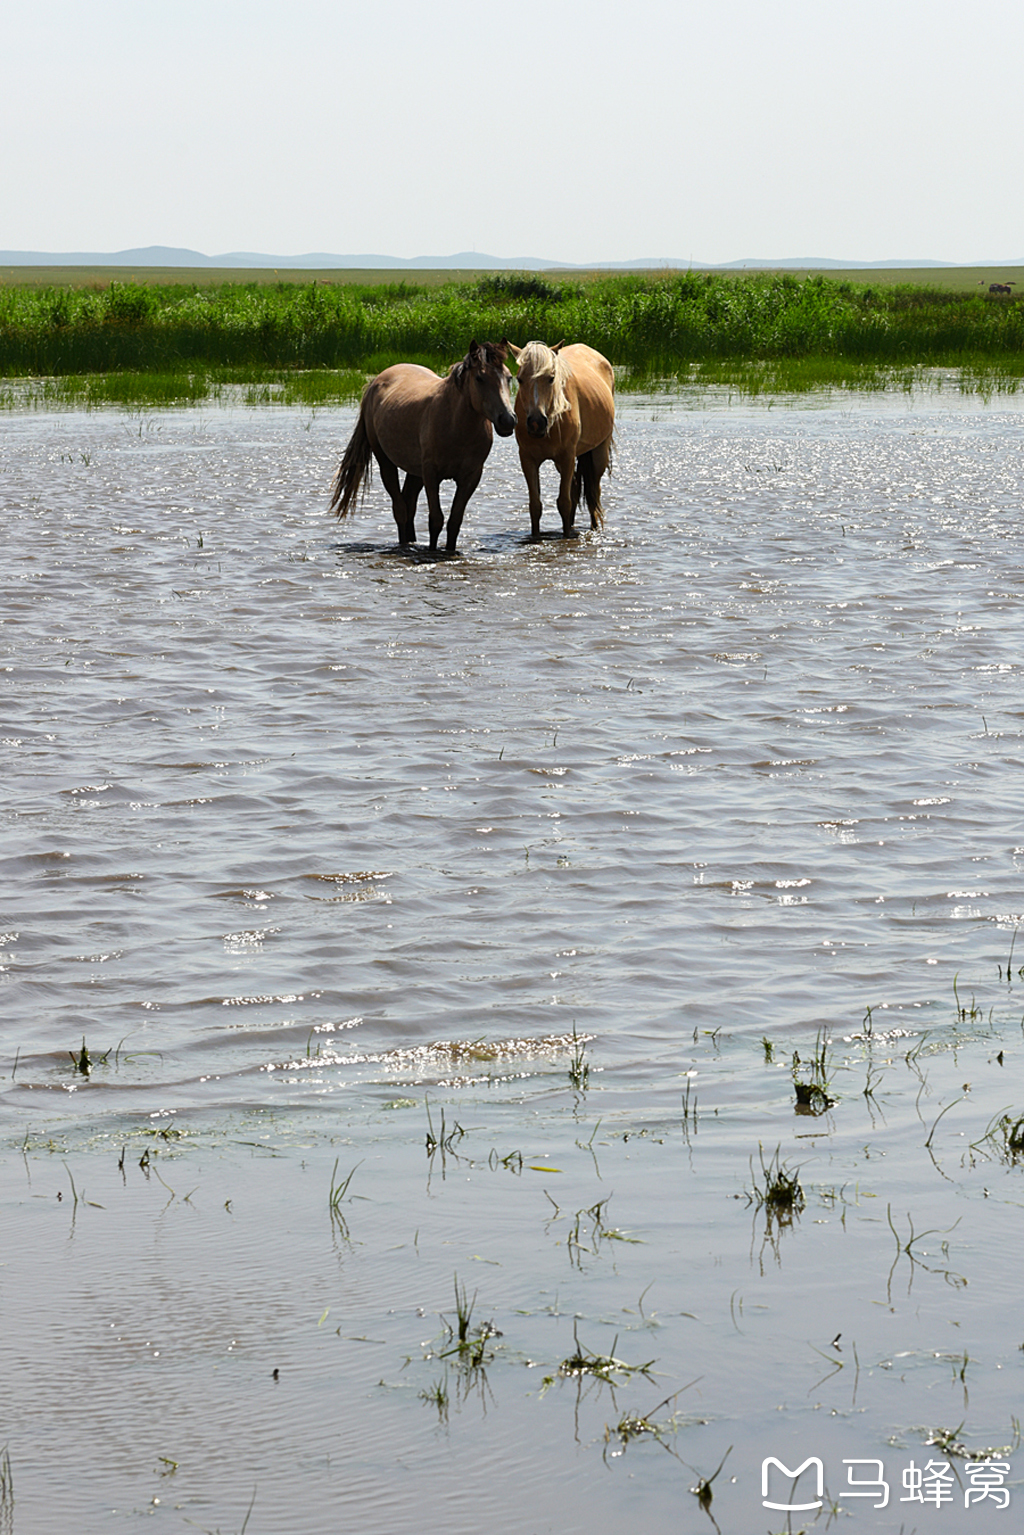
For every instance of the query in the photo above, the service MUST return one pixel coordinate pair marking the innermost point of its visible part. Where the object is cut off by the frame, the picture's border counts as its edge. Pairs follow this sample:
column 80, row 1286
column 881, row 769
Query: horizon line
column 186, row 258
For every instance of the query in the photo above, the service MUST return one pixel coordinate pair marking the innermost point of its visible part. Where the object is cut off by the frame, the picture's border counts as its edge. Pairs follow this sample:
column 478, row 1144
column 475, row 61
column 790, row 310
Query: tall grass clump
column 649, row 325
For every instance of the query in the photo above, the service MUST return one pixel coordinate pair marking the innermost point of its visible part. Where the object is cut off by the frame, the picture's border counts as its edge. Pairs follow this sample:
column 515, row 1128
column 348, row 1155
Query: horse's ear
column 474, row 346
column 515, row 350
column 559, row 347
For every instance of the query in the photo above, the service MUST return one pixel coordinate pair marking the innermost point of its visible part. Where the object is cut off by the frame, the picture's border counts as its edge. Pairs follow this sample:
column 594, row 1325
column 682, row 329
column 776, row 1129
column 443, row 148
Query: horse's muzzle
column 505, row 424
column 537, row 425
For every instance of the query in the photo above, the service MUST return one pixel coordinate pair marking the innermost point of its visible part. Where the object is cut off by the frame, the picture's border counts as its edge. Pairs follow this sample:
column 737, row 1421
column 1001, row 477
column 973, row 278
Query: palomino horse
column 565, row 410
column 432, row 428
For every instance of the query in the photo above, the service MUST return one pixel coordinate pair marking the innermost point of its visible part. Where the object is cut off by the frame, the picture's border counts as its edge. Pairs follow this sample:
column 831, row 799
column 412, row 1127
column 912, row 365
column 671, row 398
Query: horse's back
column 394, row 404
column 403, row 385
column 584, row 360
column 594, row 379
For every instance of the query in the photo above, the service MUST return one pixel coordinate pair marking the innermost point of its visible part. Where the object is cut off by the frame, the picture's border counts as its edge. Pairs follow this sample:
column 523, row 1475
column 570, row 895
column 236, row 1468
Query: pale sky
column 609, row 130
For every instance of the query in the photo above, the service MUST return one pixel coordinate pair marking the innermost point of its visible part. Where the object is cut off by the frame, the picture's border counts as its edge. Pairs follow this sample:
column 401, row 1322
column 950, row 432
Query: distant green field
column 958, row 279
column 214, row 277
column 298, row 335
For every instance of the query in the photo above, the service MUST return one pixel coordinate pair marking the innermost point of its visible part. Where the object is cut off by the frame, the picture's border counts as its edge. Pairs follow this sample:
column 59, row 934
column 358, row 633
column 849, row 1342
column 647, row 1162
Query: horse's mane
column 534, row 356
column 496, row 352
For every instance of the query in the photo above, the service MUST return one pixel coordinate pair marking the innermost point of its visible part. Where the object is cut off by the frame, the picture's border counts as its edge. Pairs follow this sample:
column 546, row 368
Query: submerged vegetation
column 1003, row 1139
column 473, row 1362
column 812, row 1078
column 337, row 1193
column 319, row 340
column 779, row 1191
column 6, row 1490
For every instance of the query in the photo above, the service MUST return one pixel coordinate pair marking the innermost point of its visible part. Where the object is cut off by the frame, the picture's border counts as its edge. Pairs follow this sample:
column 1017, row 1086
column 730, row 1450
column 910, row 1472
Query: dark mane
column 495, row 353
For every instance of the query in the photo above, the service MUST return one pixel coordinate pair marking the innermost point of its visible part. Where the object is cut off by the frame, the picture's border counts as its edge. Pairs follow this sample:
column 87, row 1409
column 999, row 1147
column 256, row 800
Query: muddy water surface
column 310, row 843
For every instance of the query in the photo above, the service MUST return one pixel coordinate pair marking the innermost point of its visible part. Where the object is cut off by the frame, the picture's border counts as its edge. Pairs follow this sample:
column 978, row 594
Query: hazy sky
column 598, row 131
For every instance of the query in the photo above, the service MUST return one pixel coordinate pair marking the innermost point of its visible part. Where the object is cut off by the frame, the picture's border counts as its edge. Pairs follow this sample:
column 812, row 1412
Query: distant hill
column 168, row 255
column 825, row 263
column 466, row 261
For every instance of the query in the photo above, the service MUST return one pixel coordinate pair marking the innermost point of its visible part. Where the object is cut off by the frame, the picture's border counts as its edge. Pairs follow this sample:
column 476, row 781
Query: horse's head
column 483, row 376
column 542, row 398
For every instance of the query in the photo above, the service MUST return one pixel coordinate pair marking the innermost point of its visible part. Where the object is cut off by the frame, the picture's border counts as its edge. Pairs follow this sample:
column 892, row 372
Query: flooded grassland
column 490, row 1043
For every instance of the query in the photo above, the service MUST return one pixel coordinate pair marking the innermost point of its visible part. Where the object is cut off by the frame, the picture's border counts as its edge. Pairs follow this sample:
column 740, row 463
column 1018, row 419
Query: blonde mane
column 536, row 357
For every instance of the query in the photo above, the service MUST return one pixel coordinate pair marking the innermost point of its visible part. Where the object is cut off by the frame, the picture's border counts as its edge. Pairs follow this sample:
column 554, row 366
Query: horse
column 565, row 410
column 433, row 429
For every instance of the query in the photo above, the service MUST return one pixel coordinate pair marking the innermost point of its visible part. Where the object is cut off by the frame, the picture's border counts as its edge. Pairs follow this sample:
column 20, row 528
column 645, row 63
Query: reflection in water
column 328, row 855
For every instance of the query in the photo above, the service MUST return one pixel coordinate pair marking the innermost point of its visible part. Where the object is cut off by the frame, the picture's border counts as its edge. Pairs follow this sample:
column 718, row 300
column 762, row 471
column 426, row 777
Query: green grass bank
column 764, row 326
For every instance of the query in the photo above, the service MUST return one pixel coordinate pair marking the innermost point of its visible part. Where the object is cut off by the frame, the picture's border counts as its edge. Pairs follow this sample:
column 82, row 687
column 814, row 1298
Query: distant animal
column 565, row 411
column 432, row 429
column 999, row 287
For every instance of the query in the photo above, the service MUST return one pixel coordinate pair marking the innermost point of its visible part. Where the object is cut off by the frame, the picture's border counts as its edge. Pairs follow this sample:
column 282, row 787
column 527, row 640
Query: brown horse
column 565, row 410
column 432, row 428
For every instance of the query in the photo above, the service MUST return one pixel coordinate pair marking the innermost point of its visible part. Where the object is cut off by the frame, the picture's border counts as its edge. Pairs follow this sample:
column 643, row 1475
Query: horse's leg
column 432, row 486
column 464, row 488
column 600, row 458
column 531, row 473
column 389, row 479
column 576, row 490
column 410, row 495
column 565, row 463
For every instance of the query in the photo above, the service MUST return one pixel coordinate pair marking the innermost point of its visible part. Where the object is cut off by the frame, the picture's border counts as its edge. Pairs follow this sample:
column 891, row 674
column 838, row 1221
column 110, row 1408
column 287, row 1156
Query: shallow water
column 306, row 838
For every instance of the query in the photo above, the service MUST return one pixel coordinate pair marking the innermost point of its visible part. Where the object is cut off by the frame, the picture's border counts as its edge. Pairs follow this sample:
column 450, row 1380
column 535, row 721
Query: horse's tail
column 586, row 482
column 355, row 470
